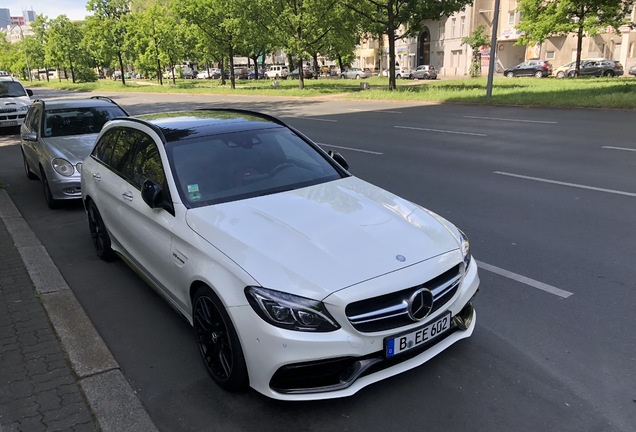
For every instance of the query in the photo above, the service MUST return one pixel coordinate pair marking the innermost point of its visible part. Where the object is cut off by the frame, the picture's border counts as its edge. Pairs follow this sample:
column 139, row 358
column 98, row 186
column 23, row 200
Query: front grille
column 389, row 311
column 8, row 110
column 12, row 116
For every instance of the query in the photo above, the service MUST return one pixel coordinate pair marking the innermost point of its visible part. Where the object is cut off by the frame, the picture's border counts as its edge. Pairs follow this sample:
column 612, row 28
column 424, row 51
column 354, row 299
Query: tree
column 543, row 19
column 63, row 46
column 387, row 16
column 475, row 41
column 217, row 21
column 108, row 28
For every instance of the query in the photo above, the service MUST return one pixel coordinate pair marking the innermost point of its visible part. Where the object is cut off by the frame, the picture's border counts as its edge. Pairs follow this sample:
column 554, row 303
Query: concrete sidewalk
column 56, row 373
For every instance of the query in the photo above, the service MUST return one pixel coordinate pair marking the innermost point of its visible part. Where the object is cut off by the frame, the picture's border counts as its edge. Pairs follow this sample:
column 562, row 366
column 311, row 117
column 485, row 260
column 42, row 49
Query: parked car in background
column 402, row 72
column 598, row 68
column 561, row 71
column 277, row 71
column 632, row 70
column 14, row 101
column 307, row 74
column 225, row 212
column 424, row 72
column 356, row 73
column 252, row 75
column 55, row 139
column 330, row 71
column 536, row 68
column 241, row 73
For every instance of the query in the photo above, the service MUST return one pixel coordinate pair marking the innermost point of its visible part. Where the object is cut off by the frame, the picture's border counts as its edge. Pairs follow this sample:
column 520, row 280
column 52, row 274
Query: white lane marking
column 440, row 131
column 619, row 148
column 575, row 185
column 349, row 148
column 511, row 120
column 378, row 111
column 525, row 280
column 312, row 118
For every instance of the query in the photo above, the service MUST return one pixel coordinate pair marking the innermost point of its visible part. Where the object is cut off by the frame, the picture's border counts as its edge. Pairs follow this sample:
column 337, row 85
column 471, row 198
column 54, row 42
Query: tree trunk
column 391, row 31
column 579, row 41
column 316, row 69
column 255, row 59
column 222, row 67
column 121, row 67
column 232, row 78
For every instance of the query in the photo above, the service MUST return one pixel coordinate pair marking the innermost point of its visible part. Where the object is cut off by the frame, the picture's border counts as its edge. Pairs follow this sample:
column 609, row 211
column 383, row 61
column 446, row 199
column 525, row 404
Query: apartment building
column 439, row 44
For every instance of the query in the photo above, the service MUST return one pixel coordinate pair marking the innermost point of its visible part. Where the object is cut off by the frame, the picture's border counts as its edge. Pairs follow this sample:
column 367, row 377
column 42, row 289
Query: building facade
column 440, row 43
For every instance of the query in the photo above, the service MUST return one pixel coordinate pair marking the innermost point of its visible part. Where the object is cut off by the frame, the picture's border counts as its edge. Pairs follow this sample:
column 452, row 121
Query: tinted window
column 123, row 150
column 146, row 163
column 240, row 165
column 104, row 147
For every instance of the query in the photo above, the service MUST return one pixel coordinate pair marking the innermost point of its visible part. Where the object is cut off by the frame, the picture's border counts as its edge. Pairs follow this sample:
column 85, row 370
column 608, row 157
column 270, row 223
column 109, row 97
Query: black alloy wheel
column 218, row 342
column 99, row 234
column 27, row 168
column 51, row 202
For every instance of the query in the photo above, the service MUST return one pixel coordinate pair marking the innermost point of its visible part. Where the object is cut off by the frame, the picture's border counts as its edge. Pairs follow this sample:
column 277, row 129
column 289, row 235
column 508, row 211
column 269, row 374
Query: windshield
column 11, row 89
column 78, row 121
column 228, row 167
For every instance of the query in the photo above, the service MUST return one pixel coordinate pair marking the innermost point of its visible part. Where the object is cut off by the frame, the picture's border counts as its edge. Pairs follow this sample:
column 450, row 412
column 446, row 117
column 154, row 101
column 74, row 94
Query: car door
column 589, row 68
column 147, row 234
column 32, row 124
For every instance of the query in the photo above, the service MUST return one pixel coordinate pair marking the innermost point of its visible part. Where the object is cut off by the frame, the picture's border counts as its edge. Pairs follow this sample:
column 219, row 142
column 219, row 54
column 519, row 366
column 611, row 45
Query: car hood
column 320, row 239
column 73, row 148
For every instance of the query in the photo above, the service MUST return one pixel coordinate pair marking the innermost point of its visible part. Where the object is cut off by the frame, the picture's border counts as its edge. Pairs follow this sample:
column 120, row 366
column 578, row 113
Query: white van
column 14, row 102
column 277, row 71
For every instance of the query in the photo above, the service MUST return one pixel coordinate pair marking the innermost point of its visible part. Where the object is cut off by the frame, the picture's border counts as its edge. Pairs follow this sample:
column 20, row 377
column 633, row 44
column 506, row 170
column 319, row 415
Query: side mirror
column 30, row 136
column 338, row 158
column 29, row 92
column 152, row 194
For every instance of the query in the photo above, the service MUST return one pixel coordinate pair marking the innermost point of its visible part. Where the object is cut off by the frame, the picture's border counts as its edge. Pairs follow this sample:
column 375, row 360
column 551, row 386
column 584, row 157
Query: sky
column 73, row 9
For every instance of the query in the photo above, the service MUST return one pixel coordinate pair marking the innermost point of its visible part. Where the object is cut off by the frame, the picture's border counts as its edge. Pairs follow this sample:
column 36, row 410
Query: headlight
column 63, row 167
column 78, row 167
column 465, row 248
column 24, row 108
column 290, row 311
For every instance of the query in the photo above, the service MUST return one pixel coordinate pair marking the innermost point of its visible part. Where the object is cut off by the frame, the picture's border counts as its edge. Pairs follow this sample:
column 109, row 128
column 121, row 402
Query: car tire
column 572, row 74
column 51, row 202
column 342, row 76
column 99, row 233
column 27, row 168
column 538, row 74
column 560, row 74
column 510, row 74
column 609, row 74
column 218, row 341
column 398, row 76
column 357, row 76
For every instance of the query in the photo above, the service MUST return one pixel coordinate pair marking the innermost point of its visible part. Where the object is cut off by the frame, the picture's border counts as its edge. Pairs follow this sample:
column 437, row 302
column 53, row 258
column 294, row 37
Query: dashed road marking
column 524, row 280
column 441, row 131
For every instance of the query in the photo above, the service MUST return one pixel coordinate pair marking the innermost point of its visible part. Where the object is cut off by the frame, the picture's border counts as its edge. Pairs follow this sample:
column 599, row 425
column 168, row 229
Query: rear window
column 78, row 121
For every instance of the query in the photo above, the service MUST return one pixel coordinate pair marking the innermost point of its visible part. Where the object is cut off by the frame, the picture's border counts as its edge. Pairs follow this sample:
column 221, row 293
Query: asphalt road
column 548, row 199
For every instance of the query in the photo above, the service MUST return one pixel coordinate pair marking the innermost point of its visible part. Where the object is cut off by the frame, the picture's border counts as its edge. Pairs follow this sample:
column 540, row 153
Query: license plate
column 398, row 344
column 9, row 123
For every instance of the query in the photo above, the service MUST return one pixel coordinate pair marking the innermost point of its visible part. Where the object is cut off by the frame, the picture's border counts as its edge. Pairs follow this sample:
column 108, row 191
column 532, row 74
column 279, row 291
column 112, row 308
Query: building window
column 511, row 18
column 455, row 57
column 462, row 25
column 549, row 55
column 442, row 30
column 453, row 23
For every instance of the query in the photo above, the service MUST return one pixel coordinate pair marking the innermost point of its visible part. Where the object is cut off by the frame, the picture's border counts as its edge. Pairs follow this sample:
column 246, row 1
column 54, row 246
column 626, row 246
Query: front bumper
column 64, row 188
column 291, row 365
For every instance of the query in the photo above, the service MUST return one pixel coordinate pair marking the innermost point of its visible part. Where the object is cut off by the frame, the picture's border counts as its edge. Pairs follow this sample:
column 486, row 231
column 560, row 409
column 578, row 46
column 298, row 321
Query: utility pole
column 493, row 50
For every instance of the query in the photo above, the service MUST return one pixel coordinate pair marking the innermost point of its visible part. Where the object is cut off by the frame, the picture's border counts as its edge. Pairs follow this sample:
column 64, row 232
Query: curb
column 110, row 397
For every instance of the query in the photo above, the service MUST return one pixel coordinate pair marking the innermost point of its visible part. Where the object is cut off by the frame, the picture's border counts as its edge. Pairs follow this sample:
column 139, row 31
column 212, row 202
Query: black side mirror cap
column 339, row 158
column 29, row 92
column 30, row 136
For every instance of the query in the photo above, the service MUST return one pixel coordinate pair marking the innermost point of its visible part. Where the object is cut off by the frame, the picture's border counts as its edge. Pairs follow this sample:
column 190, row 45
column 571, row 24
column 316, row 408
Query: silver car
column 424, row 72
column 356, row 73
column 55, row 139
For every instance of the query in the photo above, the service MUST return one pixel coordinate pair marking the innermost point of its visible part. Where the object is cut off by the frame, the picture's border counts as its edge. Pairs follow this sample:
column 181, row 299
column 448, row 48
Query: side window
column 103, row 150
column 145, row 163
column 123, row 151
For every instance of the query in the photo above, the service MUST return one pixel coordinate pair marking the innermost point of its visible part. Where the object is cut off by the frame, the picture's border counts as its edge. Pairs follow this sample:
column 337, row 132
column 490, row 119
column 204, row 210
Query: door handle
column 128, row 196
column 97, row 176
